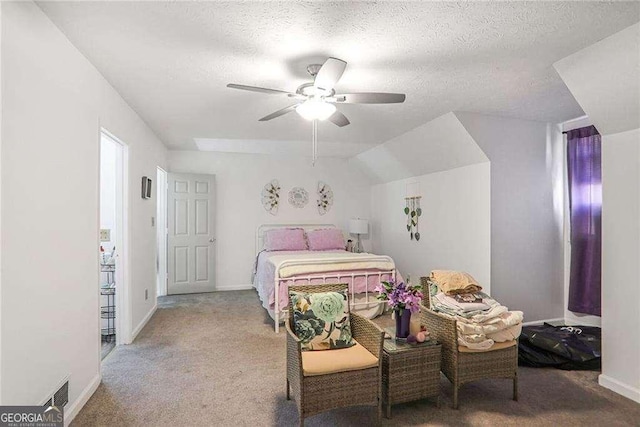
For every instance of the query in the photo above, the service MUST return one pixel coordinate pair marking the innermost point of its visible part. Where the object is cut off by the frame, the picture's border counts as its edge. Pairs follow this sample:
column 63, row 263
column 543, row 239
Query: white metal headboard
column 266, row 227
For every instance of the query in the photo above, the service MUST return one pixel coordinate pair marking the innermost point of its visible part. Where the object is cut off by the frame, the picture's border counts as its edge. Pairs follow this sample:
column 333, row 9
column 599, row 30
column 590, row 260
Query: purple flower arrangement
column 400, row 296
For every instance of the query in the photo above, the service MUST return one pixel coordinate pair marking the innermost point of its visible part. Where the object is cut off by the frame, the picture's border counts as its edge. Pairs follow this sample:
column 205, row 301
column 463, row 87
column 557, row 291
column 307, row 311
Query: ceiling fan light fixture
column 315, row 109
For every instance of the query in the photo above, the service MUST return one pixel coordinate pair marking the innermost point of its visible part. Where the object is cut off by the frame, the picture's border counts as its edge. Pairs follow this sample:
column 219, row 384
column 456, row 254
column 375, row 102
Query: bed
column 275, row 271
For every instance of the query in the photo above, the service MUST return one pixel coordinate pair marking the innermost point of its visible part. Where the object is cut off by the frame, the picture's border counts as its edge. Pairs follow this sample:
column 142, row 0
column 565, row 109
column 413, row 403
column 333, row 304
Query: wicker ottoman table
column 409, row 372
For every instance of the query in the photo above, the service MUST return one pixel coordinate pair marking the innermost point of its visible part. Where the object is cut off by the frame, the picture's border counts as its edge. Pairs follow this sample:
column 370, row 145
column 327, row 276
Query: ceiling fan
column 317, row 100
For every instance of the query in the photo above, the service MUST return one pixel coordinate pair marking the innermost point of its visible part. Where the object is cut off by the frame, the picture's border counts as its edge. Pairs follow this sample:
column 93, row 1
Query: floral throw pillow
column 321, row 320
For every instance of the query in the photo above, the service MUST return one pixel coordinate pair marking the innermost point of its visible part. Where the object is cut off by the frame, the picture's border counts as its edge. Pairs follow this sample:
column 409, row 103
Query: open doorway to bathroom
column 112, row 226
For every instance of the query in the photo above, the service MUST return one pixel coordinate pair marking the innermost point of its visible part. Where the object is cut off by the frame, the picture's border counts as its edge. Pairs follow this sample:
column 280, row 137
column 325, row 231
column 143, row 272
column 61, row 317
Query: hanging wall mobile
column 413, row 211
column 271, row 197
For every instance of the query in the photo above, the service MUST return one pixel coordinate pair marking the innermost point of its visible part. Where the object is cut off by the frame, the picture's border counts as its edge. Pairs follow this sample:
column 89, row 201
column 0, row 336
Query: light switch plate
column 105, row 235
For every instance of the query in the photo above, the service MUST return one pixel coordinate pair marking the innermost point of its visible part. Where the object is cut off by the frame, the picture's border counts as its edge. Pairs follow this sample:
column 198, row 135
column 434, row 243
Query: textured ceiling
column 172, row 60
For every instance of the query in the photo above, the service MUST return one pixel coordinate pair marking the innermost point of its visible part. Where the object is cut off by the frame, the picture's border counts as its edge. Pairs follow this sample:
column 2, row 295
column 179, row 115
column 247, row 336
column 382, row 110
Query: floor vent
column 61, row 397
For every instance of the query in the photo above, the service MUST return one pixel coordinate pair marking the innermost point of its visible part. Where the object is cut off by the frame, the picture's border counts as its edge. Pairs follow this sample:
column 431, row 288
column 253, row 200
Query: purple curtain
column 585, row 199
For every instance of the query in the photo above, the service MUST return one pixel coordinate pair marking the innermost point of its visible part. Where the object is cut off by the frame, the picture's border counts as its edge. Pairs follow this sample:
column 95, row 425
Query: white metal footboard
column 327, row 278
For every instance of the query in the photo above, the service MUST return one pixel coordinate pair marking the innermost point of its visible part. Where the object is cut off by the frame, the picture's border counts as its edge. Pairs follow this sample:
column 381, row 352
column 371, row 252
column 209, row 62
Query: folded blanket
column 495, row 309
column 484, row 342
column 467, row 298
column 508, row 334
column 491, row 326
column 487, row 315
column 464, row 306
column 475, row 342
column 318, row 262
column 455, row 282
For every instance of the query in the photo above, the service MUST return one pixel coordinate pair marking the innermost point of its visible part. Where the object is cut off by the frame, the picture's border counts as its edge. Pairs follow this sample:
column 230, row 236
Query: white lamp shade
column 358, row 226
column 315, row 109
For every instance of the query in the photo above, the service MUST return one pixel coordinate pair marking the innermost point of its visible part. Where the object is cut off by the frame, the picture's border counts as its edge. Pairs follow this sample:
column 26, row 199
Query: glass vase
column 403, row 320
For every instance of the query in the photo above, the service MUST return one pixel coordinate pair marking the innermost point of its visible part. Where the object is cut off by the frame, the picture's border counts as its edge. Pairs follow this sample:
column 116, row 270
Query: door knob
column 212, row 240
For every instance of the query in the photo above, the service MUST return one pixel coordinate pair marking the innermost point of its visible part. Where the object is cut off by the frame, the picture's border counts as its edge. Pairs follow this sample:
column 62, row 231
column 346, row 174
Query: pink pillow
column 285, row 239
column 325, row 239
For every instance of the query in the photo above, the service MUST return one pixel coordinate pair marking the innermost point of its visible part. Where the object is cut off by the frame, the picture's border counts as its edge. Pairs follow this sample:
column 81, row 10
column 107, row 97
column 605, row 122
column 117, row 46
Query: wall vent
column 61, row 397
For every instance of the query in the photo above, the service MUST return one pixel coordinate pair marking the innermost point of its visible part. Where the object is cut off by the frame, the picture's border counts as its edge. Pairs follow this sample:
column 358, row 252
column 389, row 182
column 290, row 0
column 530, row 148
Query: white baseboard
column 540, row 322
column 84, row 397
column 142, row 324
column 234, row 288
column 619, row 387
column 584, row 320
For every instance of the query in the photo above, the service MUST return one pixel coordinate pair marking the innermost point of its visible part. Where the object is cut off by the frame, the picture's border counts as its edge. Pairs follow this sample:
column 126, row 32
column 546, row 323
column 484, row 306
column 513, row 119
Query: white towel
column 509, row 334
column 495, row 311
column 479, row 342
column 504, row 321
column 464, row 306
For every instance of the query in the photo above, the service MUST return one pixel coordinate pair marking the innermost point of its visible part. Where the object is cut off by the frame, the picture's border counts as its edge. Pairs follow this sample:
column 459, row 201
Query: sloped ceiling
column 605, row 80
column 439, row 145
column 172, row 60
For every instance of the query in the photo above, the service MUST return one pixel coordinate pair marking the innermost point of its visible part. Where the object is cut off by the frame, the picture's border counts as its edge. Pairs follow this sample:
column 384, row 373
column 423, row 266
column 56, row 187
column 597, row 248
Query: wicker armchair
column 461, row 367
column 319, row 393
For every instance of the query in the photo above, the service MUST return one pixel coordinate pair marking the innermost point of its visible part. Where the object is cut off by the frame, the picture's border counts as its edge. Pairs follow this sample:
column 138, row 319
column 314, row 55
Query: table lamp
column 358, row 226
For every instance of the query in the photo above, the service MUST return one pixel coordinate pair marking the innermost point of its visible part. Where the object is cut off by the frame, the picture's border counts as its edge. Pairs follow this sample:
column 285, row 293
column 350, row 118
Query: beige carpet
column 213, row 360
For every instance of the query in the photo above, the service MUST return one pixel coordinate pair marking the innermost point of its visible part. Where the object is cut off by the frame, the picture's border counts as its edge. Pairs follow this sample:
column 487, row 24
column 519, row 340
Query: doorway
column 113, row 220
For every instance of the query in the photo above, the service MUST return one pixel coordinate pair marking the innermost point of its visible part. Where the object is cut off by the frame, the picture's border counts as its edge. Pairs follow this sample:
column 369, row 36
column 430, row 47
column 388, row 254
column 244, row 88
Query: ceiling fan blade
column 297, row 96
column 371, row 98
column 279, row 113
column 339, row 119
column 329, row 73
column 259, row 89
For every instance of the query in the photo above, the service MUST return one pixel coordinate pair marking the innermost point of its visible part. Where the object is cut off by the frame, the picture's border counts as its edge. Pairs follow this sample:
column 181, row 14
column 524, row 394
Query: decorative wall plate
column 298, row 197
column 325, row 198
column 271, row 197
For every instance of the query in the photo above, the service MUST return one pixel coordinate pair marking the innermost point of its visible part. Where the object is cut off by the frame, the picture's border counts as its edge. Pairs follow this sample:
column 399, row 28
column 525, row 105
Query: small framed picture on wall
column 146, row 187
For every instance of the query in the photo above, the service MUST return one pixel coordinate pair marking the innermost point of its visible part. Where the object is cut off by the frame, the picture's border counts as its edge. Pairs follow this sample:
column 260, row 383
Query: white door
column 191, row 246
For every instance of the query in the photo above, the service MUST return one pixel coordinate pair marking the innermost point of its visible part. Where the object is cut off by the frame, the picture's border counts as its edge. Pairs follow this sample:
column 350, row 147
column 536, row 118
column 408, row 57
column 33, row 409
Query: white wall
column 438, row 145
column 54, row 103
column 239, row 182
column 621, row 263
column 455, row 226
column 0, row 209
column 526, row 212
column 603, row 78
column 525, row 269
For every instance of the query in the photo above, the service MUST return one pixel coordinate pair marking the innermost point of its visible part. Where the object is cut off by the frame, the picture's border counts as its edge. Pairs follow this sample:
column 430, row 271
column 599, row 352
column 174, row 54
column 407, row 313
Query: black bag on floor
column 563, row 347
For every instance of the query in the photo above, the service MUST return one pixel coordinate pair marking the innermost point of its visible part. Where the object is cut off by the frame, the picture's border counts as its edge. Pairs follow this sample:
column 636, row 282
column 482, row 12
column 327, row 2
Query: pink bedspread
column 264, row 280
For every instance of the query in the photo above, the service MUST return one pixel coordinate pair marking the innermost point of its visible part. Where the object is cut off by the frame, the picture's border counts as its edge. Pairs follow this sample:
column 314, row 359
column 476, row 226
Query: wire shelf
column 108, row 331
